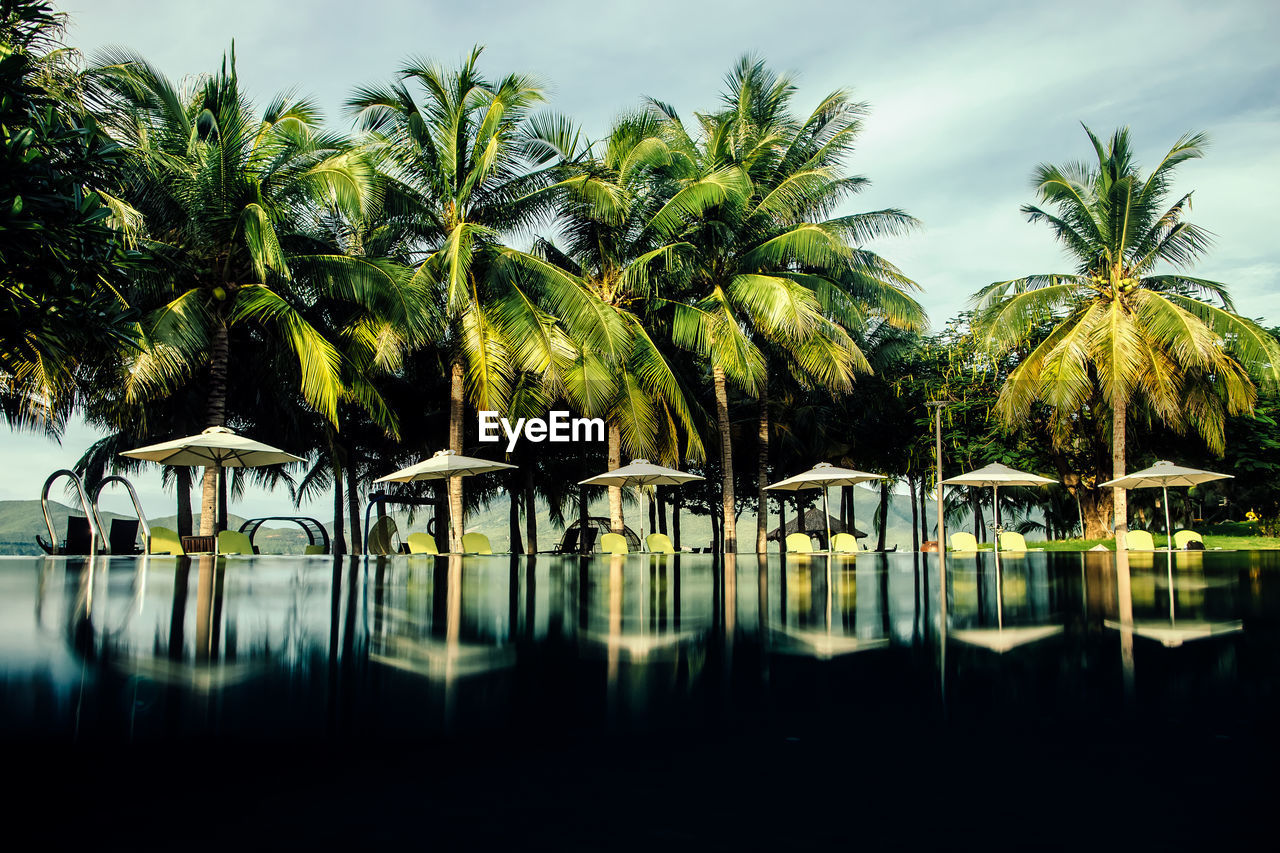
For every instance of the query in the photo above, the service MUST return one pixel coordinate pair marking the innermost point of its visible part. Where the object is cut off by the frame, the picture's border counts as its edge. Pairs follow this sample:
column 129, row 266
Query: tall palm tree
column 1123, row 333
column 775, row 276
column 608, row 240
column 467, row 167
column 224, row 197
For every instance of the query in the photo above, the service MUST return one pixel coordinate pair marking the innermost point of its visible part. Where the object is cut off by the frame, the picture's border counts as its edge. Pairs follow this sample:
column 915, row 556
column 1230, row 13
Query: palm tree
column 1122, row 332
column 775, row 277
column 466, row 168
column 225, row 199
column 606, row 208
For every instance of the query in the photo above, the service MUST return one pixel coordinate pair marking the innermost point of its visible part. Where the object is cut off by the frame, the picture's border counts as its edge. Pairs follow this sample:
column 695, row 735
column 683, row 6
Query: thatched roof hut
column 814, row 526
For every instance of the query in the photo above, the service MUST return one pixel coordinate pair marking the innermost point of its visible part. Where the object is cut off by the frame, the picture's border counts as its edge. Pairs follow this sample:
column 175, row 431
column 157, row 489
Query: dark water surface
column 645, row 702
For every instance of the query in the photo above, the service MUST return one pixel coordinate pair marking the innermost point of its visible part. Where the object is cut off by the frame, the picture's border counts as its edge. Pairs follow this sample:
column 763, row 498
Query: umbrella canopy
column 216, row 446
column 641, row 472
column 821, row 476
column 996, row 475
column 1162, row 475
column 445, row 463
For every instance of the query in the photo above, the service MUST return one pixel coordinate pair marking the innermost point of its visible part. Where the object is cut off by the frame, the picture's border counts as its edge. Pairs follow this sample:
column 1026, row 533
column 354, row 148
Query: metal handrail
column 312, row 527
column 89, row 512
column 137, row 508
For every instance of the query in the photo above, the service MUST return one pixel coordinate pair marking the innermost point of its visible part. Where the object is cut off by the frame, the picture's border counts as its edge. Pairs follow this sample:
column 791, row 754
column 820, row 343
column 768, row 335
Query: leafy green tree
column 774, row 275
column 225, row 200
column 1123, row 333
column 62, row 261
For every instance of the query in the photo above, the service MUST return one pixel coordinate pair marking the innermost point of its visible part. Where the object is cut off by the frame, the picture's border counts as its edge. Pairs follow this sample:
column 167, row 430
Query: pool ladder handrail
column 137, row 509
column 90, row 512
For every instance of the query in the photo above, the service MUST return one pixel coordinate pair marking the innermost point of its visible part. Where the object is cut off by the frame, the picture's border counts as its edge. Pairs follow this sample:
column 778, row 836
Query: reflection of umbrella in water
column 1001, row 639
column 641, row 472
column 822, row 476
column 216, row 447
column 1176, row 633
column 445, row 464
column 1162, row 475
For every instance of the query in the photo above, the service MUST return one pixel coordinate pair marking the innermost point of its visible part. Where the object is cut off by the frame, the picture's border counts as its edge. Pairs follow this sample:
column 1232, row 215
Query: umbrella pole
column 826, row 514
column 1168, row 528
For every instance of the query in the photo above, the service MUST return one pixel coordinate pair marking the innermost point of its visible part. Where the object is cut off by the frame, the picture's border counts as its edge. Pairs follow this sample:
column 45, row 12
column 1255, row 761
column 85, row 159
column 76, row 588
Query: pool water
column 1057, row 700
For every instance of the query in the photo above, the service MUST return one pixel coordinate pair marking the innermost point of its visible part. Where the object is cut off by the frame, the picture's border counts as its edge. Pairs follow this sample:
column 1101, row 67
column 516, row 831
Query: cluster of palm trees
column 463, row 231
column 697, row 284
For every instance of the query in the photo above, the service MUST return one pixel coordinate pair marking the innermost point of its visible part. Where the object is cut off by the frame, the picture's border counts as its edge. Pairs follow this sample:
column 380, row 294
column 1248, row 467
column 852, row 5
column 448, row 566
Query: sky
column 966, row 98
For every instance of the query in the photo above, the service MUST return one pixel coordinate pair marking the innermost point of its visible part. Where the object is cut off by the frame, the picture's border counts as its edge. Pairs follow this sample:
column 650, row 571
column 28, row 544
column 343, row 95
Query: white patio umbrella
column 996, row 475
column 218, row 447
column 821, row 476
column 641, row 472
column 445, row 463
column 1162, row 475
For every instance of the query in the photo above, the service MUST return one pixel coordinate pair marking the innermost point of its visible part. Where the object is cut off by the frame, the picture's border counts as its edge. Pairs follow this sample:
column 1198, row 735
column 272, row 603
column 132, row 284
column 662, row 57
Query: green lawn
column 1211, row 541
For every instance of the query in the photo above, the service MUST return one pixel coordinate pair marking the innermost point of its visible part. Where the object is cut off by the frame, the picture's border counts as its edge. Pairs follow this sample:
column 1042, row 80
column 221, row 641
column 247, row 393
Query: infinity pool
column 1059, row 701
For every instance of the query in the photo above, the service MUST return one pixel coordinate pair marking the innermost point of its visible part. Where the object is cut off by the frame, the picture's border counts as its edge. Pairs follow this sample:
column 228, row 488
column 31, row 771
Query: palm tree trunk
column 530, row 511
column 675, row 522
column 924, row 512
column 1121, row 497
column 456, row 403
column 216, row 416
column 659, row 497
column 353, row 500
column 762, row 471
column 915, row 513
column 339, row 535
column 582, row 519
column 513, row 494
column 615, row 492
column 728, row 504
column 184, row 500
column 782, row 524
column 222, row 500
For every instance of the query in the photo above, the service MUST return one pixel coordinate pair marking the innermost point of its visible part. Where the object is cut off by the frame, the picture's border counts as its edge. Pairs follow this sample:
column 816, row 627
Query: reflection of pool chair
column 961, row 541
column 659, row 543
column 165, row 541
column 1182, row 537
column 844, row 543
column 476, row 543
column 234, row 542
column 613, row 543
column 799, row 543
column 422, row 543
column 1139, row 540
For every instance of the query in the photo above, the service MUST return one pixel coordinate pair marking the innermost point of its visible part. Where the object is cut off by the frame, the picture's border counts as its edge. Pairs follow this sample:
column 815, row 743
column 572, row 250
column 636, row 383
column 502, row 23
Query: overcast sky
column 966, row 99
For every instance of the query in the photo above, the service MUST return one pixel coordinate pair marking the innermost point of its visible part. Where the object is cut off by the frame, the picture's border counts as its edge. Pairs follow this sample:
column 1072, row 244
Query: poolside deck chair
column 422, row 543
column 123, row 538
column 659, row 543
column 844, row 543
column 613, row 543
column 165, row 541
column 235, row 542
column 799, row 543
column 1010, row 541
column 1182, row 537
column 313, row 550
column 476, row 543
column 1139, row 540
column 962, row 541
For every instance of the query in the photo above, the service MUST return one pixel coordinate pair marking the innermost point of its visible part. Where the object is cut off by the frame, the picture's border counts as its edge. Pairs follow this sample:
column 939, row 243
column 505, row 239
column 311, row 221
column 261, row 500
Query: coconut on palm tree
column 1129, row 326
